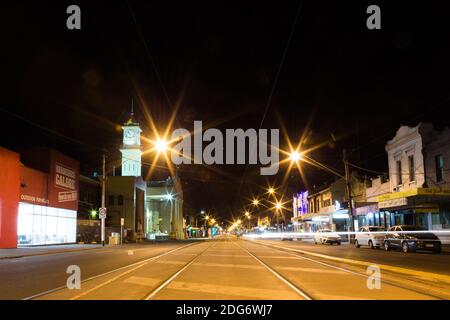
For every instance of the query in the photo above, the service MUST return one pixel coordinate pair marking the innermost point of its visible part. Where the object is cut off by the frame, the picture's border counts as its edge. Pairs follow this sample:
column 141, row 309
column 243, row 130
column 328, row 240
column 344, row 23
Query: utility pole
column 349, row 193
column 103, row 198
column 278, row 221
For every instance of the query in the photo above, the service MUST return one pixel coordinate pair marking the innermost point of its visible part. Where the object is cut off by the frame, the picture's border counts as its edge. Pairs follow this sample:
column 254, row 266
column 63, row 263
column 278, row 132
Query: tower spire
column 131, row 120
column 132, row 107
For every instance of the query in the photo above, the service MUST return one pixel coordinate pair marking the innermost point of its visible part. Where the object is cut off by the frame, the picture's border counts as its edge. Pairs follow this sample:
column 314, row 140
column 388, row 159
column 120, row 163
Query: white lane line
column 279, row 276
column 163, row 285
column 109, row 272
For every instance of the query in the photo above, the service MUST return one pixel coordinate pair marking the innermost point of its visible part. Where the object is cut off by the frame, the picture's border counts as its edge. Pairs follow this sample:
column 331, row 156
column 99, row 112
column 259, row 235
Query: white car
column 369, row 236
column 326, row 236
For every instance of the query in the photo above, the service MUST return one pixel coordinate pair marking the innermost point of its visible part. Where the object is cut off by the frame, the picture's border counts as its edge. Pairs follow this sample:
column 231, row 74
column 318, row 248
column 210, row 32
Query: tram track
column 300, row 256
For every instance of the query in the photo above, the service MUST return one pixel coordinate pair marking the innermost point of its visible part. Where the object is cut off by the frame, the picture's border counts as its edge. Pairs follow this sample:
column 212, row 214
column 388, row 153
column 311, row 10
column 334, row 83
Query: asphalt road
column 423, row 261
column 23, row 277
column 227, row 269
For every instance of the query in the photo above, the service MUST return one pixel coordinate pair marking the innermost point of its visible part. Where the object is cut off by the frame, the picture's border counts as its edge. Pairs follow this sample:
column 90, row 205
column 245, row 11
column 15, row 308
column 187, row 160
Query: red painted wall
column 33, row 186
column 9, row 197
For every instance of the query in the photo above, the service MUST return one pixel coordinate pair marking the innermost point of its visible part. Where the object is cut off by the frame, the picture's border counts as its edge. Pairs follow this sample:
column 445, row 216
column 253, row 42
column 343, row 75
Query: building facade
column 39, row 197
column 326, row 208
column 164, row 209
column 418, row 160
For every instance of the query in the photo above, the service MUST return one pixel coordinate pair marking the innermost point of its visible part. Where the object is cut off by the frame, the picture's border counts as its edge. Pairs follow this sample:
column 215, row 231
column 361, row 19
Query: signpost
column 102, row 216
column 122, row 222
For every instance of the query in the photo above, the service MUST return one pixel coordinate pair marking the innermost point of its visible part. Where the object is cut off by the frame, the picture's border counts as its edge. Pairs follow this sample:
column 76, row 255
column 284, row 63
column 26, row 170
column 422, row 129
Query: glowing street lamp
column 169, row 197
column 271, row 190
column 161, row 145
column 295, row 156
column 278, row 206
column 255, row 202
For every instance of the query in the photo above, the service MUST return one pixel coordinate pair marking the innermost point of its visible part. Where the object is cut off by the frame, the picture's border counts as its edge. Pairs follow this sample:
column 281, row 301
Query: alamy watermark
column 374, row 278
column 74, row 280
column 235, row 147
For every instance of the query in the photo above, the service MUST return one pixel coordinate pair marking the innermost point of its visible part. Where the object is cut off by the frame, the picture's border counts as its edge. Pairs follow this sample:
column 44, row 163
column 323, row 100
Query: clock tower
column 131, row 149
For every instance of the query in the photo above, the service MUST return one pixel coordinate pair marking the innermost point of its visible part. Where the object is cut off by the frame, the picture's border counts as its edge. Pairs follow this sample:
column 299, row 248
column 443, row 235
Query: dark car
column 411, row 238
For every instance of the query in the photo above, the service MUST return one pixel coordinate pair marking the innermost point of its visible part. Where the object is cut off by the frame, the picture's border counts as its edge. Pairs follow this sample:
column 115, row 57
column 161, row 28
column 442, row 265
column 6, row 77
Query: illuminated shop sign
column 301, row 203
column 65, row 177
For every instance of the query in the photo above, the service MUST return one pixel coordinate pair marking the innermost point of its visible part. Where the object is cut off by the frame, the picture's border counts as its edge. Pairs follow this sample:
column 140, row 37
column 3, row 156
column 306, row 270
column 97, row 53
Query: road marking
column 227, row 265
column 171, row 262
column 411, row 272
column 311, row 270
column 164, row 284
column 238, row 291
column 293, row 287
column 109, row 272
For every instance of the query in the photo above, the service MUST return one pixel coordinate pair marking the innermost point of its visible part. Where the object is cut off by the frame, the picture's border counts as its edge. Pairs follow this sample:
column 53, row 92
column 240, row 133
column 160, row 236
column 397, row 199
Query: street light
column 278, row 207
column 295, row 156
column 255, row 202
column 247, row 214
column 271, row 190
column 161, row 145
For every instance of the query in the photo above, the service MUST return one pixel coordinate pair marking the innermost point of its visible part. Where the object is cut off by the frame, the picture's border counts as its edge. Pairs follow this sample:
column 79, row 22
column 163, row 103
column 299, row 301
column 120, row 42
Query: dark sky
column 71, row 89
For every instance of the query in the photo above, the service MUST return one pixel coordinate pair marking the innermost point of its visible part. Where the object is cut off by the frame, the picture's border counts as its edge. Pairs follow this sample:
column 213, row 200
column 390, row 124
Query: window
column 411, row 168
column 399, row 172
column 120, row 200
column 111, row 200
column 439, row 168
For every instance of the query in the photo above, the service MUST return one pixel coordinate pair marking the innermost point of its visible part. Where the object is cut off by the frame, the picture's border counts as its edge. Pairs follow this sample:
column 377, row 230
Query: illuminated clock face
column 130, row 134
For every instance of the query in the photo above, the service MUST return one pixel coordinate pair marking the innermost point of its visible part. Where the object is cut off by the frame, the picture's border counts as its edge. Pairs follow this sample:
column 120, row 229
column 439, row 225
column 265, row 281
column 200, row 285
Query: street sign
column 122, row 221
column 102, row 213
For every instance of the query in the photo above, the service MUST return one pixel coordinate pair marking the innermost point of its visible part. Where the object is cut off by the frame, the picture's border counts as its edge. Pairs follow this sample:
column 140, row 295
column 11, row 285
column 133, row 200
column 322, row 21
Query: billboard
column 300, row 202
column 63, row 181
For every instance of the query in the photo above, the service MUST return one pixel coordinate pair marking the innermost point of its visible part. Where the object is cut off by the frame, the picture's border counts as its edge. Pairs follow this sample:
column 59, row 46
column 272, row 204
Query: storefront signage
column 393, row 203
column 414, row 192
column 300, row 203
column 63, row 181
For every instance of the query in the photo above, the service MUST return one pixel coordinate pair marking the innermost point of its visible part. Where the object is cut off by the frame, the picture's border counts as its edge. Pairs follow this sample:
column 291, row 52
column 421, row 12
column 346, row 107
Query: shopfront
column 425, row 207
column 44, row 209
column 48, row 202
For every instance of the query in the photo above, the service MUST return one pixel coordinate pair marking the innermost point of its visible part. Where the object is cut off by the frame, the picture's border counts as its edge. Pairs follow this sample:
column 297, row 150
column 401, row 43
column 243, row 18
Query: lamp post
column 247, row 215
column 278, row 207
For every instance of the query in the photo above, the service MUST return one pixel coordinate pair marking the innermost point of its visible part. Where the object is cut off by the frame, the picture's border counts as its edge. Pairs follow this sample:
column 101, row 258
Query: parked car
column 367, row 237
column 411, row 238
column 326, row 236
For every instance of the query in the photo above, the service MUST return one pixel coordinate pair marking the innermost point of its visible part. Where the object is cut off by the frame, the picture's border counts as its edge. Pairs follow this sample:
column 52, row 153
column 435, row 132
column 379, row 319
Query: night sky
column 71, row 90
